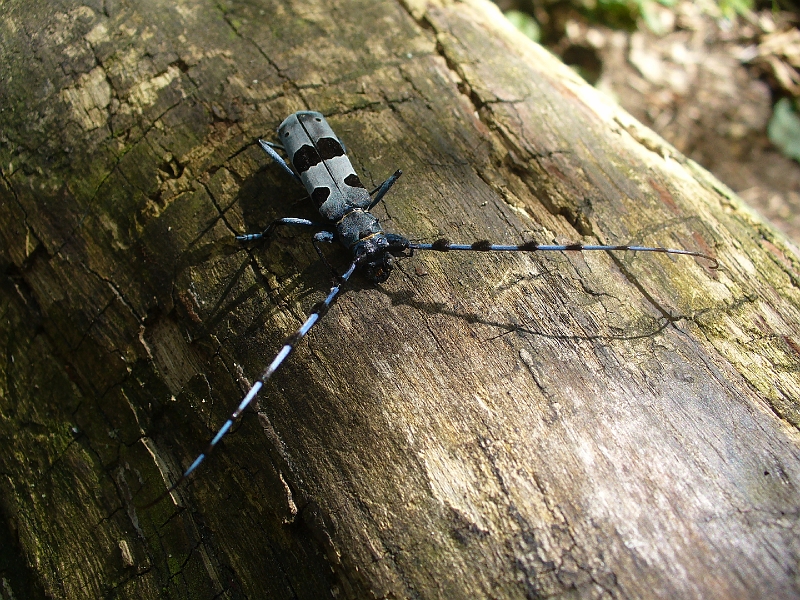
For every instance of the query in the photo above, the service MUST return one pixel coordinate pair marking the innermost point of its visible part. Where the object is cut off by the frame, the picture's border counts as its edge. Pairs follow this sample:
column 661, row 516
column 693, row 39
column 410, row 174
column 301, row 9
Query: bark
column 478, row 426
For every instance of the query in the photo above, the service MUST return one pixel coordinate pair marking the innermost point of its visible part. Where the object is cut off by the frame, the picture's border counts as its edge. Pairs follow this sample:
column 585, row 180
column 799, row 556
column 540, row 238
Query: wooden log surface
column 480, row 425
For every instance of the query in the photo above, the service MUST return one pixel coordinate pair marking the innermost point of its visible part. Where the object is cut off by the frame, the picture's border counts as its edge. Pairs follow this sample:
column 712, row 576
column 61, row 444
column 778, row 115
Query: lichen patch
column 89, row 99
column 146, row 93
column 98, row 34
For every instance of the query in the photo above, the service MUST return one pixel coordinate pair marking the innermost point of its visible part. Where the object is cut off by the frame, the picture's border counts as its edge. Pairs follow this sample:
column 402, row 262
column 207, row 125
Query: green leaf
column 525, row 23
column 731, row 8
column 784, row 129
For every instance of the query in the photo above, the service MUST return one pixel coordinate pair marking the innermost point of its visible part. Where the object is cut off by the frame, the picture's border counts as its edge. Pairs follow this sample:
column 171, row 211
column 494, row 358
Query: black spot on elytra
column 319, row 195
column 329, row 148
column 305, row 158
column 353, row 181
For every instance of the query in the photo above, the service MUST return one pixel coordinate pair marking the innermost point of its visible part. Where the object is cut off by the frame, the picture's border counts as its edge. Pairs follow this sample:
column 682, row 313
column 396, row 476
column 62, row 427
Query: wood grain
column 478, row 426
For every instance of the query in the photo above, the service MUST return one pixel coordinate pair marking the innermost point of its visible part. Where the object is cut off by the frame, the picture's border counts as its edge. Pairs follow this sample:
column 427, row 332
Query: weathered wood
column 478, row 425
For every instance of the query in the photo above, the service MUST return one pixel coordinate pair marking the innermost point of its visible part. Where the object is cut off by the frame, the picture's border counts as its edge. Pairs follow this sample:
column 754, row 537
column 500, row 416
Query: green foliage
column 732, row 8
column 647, row 10
column 624, row 14
column 525, row 23
column 617, row 14
column 784, row 129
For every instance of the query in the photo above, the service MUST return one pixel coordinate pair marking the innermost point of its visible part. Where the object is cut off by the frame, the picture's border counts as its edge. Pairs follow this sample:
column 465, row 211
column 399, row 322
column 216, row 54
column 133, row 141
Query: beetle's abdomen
column 320, row 160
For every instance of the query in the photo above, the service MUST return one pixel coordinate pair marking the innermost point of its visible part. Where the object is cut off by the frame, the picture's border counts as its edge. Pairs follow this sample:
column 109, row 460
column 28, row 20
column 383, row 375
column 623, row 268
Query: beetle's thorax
column 357, row 225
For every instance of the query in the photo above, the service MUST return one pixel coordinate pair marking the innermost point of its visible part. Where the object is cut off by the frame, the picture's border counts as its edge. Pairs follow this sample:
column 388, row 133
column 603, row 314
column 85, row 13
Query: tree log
column 480, row 425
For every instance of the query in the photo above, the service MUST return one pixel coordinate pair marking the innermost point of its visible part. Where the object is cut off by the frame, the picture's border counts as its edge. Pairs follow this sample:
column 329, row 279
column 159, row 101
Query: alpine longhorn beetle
column 321, row 164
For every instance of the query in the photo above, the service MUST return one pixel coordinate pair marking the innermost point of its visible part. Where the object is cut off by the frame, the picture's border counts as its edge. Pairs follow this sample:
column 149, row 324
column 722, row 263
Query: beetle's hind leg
column 267, row 233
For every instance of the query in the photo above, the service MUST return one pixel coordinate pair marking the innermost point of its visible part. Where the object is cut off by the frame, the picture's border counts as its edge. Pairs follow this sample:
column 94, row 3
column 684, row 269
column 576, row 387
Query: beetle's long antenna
column 444, row 245
column 314, row 316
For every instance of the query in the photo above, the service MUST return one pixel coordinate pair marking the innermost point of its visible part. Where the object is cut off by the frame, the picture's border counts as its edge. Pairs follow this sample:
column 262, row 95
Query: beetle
column 320, row 163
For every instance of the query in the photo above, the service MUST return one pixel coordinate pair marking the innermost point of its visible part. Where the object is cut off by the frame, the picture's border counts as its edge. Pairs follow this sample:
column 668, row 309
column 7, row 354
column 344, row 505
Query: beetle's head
column 376, row 254
column 374, row 257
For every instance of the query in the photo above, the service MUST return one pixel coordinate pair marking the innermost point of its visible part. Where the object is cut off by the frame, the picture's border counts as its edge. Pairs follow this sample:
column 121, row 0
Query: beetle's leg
column 381, row 190
column 269, row 148
column 252, row 237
